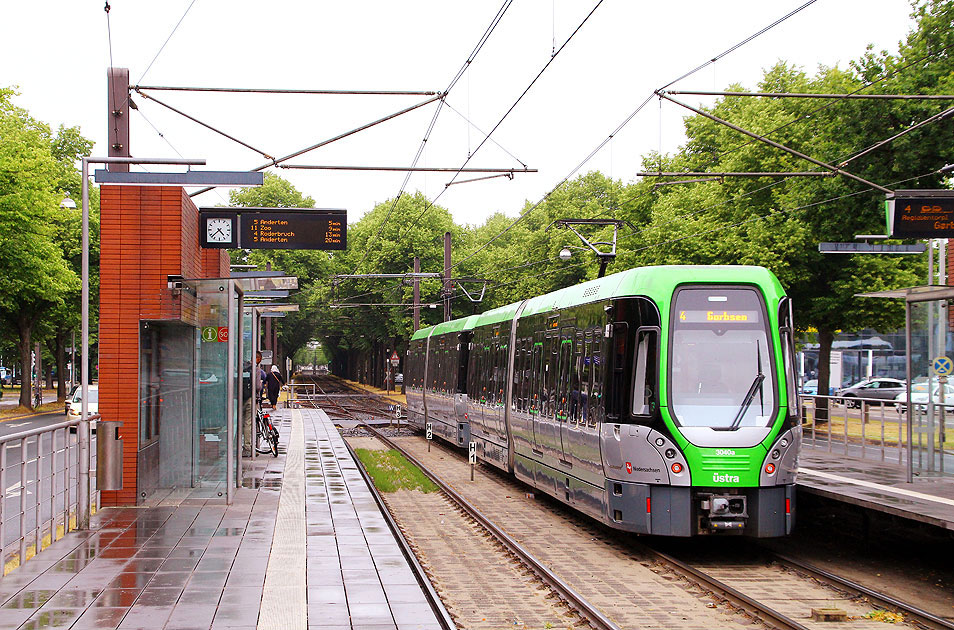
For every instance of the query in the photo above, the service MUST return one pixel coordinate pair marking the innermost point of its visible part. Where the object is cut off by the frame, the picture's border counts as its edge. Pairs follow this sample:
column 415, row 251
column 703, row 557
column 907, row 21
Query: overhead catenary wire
column 431, row 203
column 791, row 122
column 688, row 215
column 627, row 120
column 430, row 128
column 163, row 47
column 735, row 47
column 718, row 229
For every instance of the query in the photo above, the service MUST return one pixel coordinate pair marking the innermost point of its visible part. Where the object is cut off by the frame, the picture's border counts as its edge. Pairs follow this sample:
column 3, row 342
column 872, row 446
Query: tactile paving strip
column 284, row 600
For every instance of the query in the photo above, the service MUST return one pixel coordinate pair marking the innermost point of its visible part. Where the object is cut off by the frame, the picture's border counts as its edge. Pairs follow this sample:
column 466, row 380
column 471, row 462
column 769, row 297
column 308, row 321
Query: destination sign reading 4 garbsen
column 719, row 317
column 294, row 230
column 913, row 215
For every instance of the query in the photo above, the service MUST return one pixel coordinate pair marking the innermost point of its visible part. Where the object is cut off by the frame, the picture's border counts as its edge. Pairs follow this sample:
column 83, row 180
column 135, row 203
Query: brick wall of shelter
column 146, row 234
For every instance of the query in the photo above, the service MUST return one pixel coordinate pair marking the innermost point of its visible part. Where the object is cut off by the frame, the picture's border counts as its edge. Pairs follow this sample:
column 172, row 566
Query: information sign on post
column 293, row 231
column 473, row 459
column 273, row 228
column 921, row 214
column 942, row 366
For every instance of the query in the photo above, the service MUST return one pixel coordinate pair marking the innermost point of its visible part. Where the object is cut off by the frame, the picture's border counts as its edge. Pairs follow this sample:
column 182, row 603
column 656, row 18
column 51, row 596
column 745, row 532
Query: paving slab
column 303, row 545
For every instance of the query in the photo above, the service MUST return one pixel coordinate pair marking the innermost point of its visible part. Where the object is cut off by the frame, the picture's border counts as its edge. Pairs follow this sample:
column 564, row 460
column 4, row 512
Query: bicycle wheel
column 273, row 440
column 262, row 441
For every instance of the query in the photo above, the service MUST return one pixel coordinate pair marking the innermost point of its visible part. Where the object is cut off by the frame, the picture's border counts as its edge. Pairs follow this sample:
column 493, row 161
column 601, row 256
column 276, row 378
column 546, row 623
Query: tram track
column 735, row 597
column 569, row 604
column 733, row 590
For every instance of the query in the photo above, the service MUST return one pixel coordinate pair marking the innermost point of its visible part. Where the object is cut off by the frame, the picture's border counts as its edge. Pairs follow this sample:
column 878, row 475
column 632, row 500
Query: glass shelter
column 929, row 443
column 195, row 390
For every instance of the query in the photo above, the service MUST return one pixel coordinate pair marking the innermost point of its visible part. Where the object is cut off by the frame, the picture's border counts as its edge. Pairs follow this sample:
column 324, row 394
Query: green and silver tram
column 659, row 400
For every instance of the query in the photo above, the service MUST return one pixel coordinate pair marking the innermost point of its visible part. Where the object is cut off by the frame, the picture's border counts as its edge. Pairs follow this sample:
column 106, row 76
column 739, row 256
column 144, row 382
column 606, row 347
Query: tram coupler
column 722, row 512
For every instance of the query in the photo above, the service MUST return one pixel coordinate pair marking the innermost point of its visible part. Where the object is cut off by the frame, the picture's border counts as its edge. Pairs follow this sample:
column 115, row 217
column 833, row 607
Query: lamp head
column 565, row 254
column 67, row 203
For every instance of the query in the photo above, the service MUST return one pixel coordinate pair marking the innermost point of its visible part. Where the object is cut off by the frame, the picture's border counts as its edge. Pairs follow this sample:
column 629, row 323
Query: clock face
column 218, row 230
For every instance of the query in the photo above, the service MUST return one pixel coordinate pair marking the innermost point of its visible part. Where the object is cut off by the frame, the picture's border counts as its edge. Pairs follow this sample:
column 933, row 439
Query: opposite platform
column 878, row 486
column 303, row 545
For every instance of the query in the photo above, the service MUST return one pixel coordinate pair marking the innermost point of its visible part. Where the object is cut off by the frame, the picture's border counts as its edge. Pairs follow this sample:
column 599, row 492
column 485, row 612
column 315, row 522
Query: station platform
column 303, row 545
column 878, row 486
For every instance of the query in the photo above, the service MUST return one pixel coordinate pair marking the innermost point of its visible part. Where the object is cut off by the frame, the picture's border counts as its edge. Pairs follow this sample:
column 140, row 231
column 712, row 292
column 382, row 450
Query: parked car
column 878, row 388
column 919, row 397
column 810, row 387
column 76, row 402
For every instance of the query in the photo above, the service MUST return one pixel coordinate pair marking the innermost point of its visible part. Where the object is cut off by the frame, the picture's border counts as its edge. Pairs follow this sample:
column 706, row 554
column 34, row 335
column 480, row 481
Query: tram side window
column 517, row 378
column 550, row 368
column 596, row 399
column 644, row 372
column 586, row 376
column 536, row 359
column 502, row 365
column 576, row 390
column 617, row 387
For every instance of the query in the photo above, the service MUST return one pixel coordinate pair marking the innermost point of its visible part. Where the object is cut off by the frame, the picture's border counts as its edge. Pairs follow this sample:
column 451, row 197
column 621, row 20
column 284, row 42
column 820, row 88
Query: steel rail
column 767, row 615
column 433, row 599
column 592, row 614
column 760, row 611
column 911, row 612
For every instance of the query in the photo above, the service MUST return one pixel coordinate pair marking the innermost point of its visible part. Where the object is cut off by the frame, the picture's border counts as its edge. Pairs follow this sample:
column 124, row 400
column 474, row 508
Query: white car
column 76, row 403
column 919, row 396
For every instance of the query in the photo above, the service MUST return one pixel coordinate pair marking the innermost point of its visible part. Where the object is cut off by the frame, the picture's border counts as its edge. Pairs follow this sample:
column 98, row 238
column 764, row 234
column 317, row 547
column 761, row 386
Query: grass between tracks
column 391, row 471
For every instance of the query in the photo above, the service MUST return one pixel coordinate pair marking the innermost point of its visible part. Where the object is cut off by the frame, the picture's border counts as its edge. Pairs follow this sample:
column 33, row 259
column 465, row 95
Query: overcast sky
column 57, row 53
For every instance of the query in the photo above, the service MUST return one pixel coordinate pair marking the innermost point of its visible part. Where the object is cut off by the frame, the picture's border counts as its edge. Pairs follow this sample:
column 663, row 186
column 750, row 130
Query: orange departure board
column 274, row 228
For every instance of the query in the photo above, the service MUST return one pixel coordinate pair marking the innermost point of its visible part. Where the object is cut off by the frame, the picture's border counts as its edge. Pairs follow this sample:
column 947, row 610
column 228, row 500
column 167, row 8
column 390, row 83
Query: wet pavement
column 303, row 547
column 880, row 486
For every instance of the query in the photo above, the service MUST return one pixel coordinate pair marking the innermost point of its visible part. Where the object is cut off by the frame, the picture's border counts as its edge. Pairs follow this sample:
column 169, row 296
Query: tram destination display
column 276, row 228
column 921, row 214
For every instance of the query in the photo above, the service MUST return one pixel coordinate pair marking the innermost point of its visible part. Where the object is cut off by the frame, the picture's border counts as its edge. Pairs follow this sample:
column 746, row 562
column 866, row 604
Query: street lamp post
column 83, row 431
column 69, row 204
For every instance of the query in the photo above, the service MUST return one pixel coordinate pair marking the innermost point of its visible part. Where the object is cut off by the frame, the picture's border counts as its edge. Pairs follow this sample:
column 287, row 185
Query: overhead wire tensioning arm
column 772, row 143
column 206, row 125
column 341, row 136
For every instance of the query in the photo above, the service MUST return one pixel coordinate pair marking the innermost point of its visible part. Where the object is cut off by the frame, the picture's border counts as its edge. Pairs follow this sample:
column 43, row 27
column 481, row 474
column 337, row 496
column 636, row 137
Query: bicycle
column 267, row 435
column 37, row 398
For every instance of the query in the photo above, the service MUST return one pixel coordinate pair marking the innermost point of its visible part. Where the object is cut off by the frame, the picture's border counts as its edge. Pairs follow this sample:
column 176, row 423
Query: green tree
column 34, row 277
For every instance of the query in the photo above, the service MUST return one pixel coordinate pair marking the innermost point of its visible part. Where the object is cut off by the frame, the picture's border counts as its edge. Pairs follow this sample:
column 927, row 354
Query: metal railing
column 41, row 481
column 865, row 428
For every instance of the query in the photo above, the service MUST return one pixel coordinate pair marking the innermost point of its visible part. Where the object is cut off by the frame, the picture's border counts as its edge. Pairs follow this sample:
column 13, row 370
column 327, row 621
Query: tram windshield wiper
column 756, row 386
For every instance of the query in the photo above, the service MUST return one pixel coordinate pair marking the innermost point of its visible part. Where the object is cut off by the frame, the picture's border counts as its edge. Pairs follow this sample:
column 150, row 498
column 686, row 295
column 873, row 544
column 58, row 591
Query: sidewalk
column 302, row 546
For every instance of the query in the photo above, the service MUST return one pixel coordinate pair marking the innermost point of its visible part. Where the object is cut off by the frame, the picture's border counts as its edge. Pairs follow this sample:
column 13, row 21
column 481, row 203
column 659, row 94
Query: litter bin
column 109, row 455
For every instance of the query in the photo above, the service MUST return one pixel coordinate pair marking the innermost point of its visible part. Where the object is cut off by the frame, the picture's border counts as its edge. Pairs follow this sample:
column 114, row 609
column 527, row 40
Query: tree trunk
column 49, row 376
column 26, row 380
column 59, row 355
column 825, row 340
